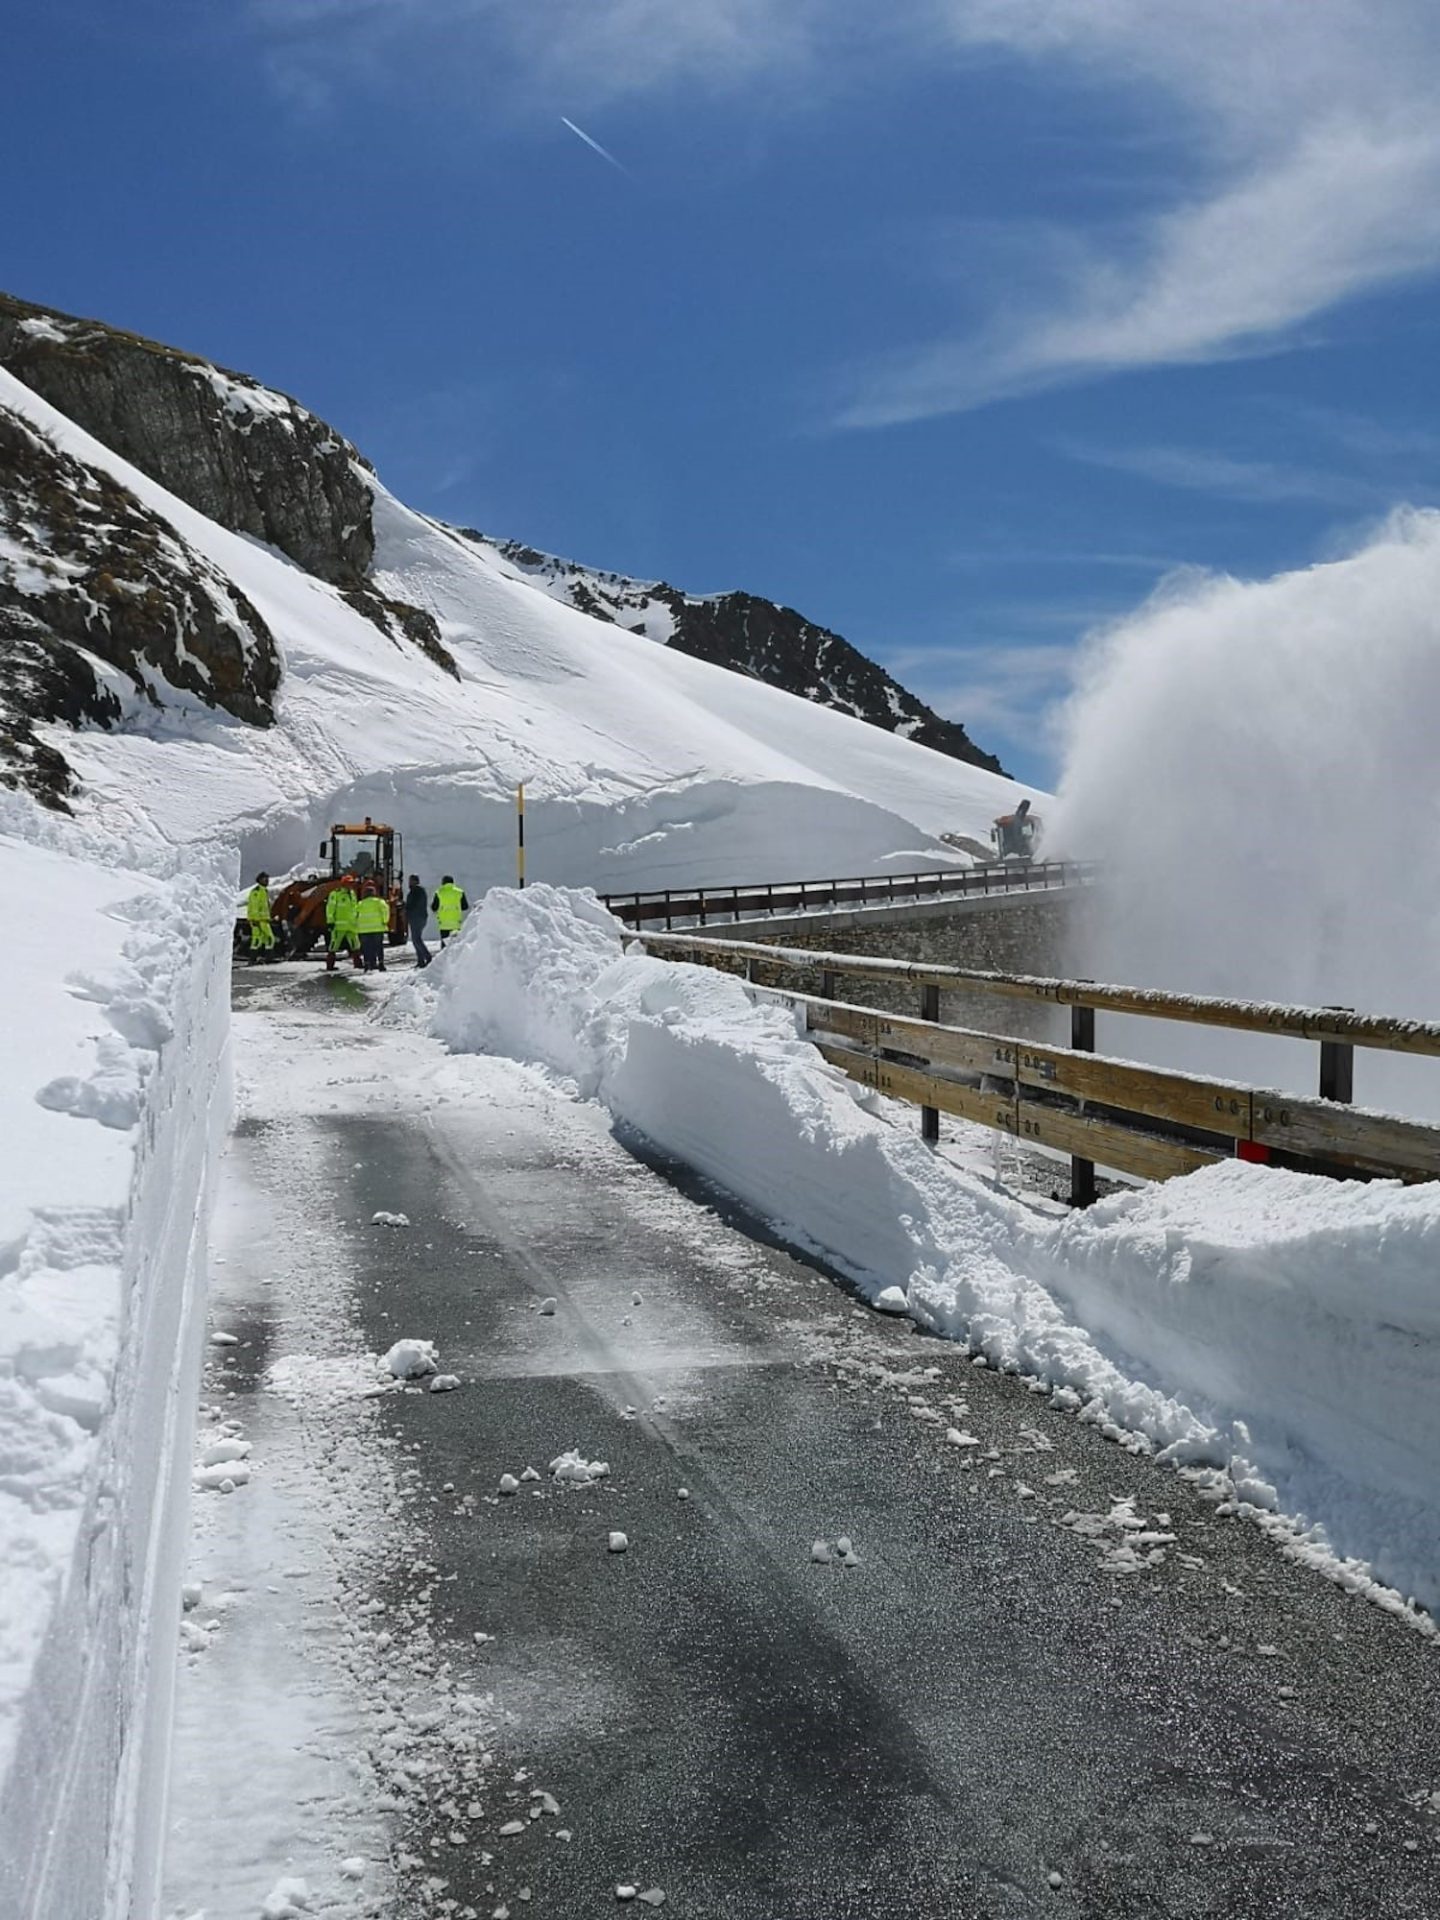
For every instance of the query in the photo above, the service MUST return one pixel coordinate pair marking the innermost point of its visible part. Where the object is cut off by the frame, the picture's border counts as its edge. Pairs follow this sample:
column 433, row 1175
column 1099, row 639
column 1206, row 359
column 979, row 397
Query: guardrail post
column 1082, row 1172
column 828, row 983
column 930, row 1116
column 1337, row 1066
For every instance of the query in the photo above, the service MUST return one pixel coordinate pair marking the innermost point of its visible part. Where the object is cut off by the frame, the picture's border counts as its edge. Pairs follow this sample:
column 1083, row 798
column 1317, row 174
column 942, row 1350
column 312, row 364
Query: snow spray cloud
column 1258, row 765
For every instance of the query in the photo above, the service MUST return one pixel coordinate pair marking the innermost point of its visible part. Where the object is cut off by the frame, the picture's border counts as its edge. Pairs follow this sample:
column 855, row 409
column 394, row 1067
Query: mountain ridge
column 257, row 462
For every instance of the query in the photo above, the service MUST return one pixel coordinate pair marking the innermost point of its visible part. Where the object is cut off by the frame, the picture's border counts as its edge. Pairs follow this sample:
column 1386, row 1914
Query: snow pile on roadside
column 111, row 1108
column 1280, row 1328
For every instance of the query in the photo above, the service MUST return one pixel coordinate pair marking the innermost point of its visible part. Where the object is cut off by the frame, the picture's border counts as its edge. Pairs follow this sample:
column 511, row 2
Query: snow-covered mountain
column 750, row 635
column 218, row 624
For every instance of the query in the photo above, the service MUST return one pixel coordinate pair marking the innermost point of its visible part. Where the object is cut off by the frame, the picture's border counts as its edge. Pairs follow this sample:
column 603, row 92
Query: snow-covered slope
column 641, row 766
column 746, row 633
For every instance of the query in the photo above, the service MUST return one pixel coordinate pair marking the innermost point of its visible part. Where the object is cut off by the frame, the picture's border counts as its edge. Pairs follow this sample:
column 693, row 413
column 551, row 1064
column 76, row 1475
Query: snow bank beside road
column 112, row 1107
column 1281, row 1328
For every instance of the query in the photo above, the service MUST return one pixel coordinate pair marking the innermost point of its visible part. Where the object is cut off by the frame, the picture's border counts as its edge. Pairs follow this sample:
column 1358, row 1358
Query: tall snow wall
column 81, row 1803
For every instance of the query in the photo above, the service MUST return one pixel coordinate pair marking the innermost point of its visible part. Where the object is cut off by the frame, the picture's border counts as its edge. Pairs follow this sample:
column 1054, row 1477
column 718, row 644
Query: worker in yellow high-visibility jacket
column 341, row 909
column 257, row 912
column 450, row 906
column 372, row 923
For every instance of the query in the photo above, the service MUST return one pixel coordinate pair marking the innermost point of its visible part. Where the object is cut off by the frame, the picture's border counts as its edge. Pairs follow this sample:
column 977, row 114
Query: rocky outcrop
column 43, row 679
column 242, row 454
column 91, row 579
column 778, row 645
column 245, row 456
column 402, row 622
column 749, row 635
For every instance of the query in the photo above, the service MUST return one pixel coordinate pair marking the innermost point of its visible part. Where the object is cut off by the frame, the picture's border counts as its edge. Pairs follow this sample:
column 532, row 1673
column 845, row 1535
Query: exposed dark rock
column 778, row 645
column 245, row 456
column 43, row 678
column 752, row 636
column 84, row 565
column 400, row 620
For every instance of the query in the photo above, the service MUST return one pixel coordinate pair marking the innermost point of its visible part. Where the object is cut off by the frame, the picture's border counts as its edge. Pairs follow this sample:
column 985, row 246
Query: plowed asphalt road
column 979, row 1719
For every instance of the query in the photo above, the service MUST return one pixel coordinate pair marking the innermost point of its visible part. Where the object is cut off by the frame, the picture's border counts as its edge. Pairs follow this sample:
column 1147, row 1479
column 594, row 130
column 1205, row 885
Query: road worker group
column 358, row 920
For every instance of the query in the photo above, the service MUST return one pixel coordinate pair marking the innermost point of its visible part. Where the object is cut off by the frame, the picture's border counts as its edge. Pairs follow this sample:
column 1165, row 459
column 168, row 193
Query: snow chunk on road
column 224, row 1477
column 383, row 1219
column 617, row 1543
column 572, row 1468
column 303, row 1377
column 1127, row 1544
column 891, row 1300
column 411, row 1359
column 445, row 1383
column 288, row 1898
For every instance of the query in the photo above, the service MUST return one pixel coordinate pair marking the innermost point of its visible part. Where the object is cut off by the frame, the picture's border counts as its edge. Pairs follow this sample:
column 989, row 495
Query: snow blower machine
column 1016, row 835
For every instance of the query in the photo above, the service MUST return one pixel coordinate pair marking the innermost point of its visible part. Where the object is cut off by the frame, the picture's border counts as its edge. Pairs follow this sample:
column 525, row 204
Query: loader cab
column 370, row 851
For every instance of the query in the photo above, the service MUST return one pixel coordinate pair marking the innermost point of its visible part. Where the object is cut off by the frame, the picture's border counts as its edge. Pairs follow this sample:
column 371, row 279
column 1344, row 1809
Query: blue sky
column 959, row 332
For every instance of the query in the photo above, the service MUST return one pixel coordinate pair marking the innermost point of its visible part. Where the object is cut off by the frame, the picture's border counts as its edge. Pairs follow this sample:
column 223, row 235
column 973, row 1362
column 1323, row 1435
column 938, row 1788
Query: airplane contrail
column 581, row 134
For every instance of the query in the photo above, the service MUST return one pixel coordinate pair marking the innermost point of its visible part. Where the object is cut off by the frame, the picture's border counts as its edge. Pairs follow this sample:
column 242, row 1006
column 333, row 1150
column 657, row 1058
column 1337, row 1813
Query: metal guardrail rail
column 707, row 904
column 1139, row 1119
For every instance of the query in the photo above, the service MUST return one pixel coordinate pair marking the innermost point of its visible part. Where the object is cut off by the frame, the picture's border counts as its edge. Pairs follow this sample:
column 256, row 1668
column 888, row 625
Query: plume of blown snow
column 1256, row 764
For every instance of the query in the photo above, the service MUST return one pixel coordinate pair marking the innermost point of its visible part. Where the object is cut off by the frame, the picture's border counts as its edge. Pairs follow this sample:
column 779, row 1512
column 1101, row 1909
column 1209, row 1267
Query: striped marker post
column 520, row 832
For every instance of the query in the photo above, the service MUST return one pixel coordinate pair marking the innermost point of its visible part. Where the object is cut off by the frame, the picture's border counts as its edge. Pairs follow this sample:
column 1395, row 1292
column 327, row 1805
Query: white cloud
column 1315, row 157
column 1198, row 470
column 1004, row 692
column 1366, row 437
column 520, row 54
column 996, row 558
column 1302, row 148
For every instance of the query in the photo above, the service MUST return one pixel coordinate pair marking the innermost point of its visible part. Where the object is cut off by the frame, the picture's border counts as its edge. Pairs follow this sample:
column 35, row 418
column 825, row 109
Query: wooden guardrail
column 704, row 904
column 1143, row 1120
